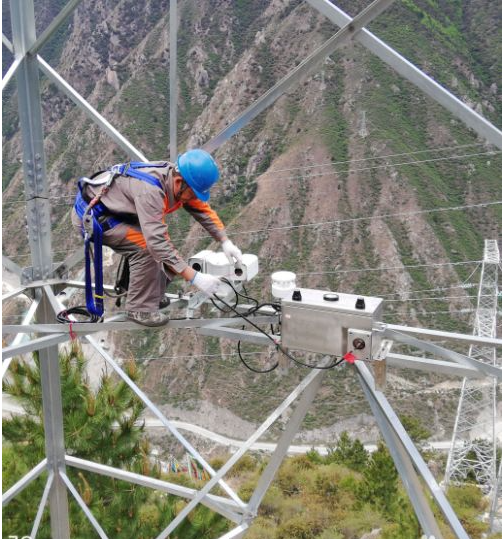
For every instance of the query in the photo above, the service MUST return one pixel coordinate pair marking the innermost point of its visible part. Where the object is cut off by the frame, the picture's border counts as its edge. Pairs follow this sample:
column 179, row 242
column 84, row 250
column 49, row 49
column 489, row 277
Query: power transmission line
column 491, row 152
column 363, row 270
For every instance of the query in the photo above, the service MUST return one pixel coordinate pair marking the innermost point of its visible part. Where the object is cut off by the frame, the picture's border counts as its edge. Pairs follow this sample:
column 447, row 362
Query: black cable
column 275, row 366
column 235, row 292
column 63, row 317
column 275, row 306
column 278, row 346
column 245, row 295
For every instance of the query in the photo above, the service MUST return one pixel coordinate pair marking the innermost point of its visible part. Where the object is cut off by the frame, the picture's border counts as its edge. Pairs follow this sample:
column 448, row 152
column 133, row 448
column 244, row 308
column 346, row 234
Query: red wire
column 73, row 335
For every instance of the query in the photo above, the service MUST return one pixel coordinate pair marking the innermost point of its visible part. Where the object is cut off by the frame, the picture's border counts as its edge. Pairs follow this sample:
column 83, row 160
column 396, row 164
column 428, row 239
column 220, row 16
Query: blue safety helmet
column 200, row 172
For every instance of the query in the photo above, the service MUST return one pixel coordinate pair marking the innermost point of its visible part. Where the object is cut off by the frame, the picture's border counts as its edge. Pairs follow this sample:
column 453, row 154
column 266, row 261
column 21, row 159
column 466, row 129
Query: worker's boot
column 153, row 319
column 164, row 302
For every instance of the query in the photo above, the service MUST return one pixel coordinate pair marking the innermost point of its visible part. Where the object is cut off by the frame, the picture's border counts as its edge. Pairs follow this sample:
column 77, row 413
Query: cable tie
column 98, row 296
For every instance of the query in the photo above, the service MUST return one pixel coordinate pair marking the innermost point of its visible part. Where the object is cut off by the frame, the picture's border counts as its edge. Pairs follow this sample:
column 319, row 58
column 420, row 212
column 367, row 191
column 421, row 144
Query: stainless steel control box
column 320, row 320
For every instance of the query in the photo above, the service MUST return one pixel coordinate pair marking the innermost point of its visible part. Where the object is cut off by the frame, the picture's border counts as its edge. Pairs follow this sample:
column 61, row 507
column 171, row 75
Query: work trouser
column 147, row 278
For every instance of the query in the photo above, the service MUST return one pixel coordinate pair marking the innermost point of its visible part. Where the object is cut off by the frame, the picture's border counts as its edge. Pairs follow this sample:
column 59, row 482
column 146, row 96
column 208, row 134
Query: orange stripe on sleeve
column 205, row 208
column 136, row 237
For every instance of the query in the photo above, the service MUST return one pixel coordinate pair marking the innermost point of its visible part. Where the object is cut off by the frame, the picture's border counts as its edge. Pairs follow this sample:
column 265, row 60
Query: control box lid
column 346, row 303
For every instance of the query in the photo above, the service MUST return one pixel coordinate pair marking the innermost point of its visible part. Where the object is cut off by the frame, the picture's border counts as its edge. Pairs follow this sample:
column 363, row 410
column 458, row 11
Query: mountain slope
column 304, row 185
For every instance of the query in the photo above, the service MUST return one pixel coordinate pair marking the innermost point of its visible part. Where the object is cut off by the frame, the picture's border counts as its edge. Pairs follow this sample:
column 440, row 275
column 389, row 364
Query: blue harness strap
column 130, row 169
column 103, row 221
column 94, row 300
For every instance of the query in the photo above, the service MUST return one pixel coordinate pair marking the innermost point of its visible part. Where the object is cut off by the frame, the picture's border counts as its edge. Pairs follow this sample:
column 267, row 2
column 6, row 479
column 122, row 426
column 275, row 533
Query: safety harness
column 97, row 219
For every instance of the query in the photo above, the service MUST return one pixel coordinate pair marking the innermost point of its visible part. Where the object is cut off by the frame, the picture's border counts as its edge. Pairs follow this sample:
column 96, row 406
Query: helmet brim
column 204, row 196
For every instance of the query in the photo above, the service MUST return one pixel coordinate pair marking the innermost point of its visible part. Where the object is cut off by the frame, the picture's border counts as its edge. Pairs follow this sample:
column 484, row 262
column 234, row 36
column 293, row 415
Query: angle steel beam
column 53, row 26
column 173, row 79
column 71, row 261
column 89, row 111
column 82, row 328
column 444, row 335
column 385, row 413
column 291, row 429
column 39, row 236
column 12, row 69
column 54, row 432
column 19, row 338
column 305, row 384
column 7, row 43
column 41, row 506
column 33, row 345
column 349, row 30
column 82, row 285
column 236, row 533
column 402, row 361
column 95, row 524
column 417, row 77
column 24, row 482
column 168, row 424
column 406, row 471
column 223, row 506
column 52, row 299
column 9, row 264
column 13, row 293
column 30, row 118
column 488, row 370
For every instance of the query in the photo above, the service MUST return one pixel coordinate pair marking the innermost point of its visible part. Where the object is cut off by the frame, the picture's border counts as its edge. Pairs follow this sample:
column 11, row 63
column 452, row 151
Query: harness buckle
column 120, row 169
column 88, row 224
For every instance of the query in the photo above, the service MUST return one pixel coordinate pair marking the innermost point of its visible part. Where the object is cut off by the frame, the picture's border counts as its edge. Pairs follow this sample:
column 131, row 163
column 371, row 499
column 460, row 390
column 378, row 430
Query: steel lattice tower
column 44, row 278
column 474, row 440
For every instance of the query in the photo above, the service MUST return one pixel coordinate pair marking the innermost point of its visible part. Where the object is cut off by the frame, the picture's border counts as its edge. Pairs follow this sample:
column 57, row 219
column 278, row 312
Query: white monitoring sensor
column 283, row 284
column 217, row 264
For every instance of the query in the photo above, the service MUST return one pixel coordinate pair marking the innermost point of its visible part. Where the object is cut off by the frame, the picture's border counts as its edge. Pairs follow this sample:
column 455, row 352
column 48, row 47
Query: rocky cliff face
column 334, row 181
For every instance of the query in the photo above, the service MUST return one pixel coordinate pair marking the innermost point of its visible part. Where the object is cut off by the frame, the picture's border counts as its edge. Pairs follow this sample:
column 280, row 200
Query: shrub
column 331, row 533
column 357, row 523
column 245, row 464
column 272, row 501
column 298, row 527
column 262, row 528
column 218, row 461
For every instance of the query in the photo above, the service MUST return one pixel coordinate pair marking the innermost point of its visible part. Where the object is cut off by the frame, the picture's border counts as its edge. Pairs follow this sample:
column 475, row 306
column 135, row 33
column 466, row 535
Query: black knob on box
column 360, row 303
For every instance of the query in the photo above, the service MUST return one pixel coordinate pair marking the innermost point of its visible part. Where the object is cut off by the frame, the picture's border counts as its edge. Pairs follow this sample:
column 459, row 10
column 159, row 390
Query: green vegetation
column 343, row 494
column 103, row 426
column 415, row 428
column 144, row 107
column 321, row 497
column 247, row 22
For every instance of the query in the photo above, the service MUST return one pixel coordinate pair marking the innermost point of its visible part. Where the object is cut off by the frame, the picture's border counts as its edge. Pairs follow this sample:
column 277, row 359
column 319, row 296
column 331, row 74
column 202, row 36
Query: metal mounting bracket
column 28, row 274
column 379, row 364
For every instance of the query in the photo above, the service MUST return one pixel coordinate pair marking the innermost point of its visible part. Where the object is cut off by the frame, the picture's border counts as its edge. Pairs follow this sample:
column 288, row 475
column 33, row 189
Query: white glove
column 209, row 284
column 232, row 252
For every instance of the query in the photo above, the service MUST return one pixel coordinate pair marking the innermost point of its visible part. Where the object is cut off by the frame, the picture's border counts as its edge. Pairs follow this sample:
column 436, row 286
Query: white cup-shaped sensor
column 283, row 284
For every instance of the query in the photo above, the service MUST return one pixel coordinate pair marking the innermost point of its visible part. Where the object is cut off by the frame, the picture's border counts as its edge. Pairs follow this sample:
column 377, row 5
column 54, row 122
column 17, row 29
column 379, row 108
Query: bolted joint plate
column 34, row 174
column 29, row 274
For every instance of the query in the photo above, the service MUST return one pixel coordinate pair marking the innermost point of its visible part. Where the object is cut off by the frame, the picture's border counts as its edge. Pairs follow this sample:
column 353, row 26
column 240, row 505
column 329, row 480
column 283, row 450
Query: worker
column 132, row 215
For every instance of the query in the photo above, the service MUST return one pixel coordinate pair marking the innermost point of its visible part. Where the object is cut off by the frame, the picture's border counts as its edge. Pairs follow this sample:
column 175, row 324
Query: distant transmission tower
column 495, row 511
column 473, row 448
column 363, row 131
